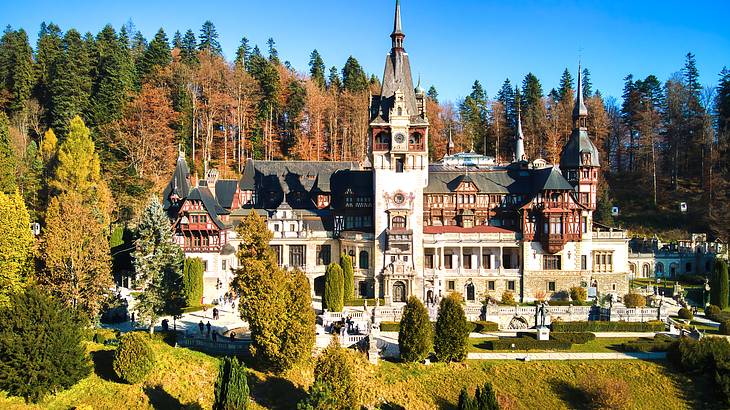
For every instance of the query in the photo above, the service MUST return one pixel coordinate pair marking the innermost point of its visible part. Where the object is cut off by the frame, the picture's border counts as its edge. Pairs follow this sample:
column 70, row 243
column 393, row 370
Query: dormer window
column 586, row 158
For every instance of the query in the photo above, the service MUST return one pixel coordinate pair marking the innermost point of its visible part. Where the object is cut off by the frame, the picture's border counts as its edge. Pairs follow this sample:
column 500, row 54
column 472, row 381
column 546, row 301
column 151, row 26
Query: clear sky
column 451, row 43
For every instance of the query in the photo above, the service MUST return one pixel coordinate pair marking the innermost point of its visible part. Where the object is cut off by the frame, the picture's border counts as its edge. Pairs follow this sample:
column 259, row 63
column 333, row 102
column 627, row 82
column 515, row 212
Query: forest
column 142, row 101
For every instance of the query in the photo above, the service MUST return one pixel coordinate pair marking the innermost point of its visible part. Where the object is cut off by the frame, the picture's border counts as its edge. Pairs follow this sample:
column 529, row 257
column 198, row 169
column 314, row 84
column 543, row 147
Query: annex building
column 415, row 225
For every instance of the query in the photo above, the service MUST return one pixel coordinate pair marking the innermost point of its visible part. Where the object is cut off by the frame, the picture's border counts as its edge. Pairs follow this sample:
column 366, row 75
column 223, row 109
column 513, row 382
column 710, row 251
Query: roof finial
column 397, row 34
column 450, row 143
column 580, row 112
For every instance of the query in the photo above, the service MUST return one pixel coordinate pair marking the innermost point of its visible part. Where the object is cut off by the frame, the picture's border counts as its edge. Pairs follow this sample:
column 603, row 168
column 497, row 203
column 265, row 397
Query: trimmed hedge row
column 196, row 308
column 481, row 326
column 526, row 343
column 606, row 326
column 389, row 326
column 359, row 302
column 660, row 343
column 573, row 337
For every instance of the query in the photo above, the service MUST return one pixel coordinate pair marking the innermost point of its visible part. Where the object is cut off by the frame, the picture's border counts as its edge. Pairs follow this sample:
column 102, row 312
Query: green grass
column 598, row 345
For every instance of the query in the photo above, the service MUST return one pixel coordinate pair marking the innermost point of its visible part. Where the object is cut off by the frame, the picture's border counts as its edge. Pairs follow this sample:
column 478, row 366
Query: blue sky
column 451, row 43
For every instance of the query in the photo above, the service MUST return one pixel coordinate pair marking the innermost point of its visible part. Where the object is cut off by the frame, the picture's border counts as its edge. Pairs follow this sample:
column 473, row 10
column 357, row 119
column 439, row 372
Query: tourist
column 233, row 336
column 215, row 335
column 132, row 319
column 201, row 326
column 215, row 313
column 208, row 327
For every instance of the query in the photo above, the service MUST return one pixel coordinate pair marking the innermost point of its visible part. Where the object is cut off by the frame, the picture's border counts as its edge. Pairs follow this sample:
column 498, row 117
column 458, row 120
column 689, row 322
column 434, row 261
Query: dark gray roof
column 578, row 143
column 511, row 180
column 247, row 182
column 549, row 179
column 203, row 195
column 225, row 189
column 179, row 184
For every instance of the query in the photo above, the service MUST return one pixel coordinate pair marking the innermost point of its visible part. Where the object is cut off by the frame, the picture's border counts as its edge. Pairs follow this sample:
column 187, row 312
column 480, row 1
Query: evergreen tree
column 720, row 288
column 506, row 95
column 8, row 184
column 158, row 264
column 415, row 335
column 193, row 281
column 188, row 53
column 209, row 39
column 48, row 51
column 71, row 82
column 75, row 252
column 32, row 371
column 433, row 94
column 466, row 402
column 113, row 78
column 474, row 115
column 566, row 85
column 692, row 76
column 531, row 92
column 273, row 53
column 587, row 84
column 16, row 246
column 722, row 102
column 317, row 69
column 16, row 67
column 177, row 40
column 603, row 209
column 348, row 276
column 333, row 288
column 243, row 54
column 333, row 81
column 452, row 330
column 30, row 180
column 334, row 375
column 156, row 56
column 354, row 79
column 231, row 386
column 486, row 398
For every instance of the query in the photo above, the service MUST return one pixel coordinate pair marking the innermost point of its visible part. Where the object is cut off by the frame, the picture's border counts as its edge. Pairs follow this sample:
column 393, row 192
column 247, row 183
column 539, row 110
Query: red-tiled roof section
column 459, row 229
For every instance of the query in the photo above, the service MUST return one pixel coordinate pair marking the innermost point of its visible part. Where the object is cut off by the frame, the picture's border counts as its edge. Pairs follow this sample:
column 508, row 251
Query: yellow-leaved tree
column 16, row 246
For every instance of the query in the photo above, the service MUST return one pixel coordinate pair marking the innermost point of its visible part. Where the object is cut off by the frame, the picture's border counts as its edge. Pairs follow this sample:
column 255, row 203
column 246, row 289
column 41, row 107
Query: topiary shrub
column 605, row 393
column 336, row 385
column 334, row 290
column 452, row 331
column 508, row 298
column 193, row 281
column 415, row 336
column 389, row 326
column 348, row 274
column 712, row 311
column 483, row 326
column 134, row 358
column 231, row 387
column 578, row 294
column 720, row 288
column 685, row 313
column 30, row 370
column 725, row 327
column 634, row 300
column 573, row 337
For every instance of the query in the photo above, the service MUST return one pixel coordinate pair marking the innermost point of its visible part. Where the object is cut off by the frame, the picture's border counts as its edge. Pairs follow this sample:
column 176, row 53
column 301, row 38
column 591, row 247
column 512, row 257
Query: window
column 292, row 227
column 224, row 265
column 603, row 261
column 551, row 286
column 399, row 160
column 467, row 261
column 487, row 261
column 429, row 261
column 276, row 227
column 511, row 285
column 556, row 226
column 398, row 222
column 450, row 285
column 584, row 224
column 296, row 256
column 324, row 254
column 507, row 261
column 364, row 261
column 278, row 249
column 448, row 259
column 490, row 285
column 551, row 262
column 584, row 262
column 363, row 288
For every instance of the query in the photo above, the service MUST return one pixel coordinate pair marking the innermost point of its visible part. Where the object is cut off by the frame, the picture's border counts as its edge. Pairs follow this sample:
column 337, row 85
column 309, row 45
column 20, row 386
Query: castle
column 412, row 226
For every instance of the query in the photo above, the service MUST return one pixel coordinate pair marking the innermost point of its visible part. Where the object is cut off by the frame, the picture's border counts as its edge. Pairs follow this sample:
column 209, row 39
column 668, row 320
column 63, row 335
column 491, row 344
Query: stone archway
column 319, row 286
column 470, row 292
column 399, row 292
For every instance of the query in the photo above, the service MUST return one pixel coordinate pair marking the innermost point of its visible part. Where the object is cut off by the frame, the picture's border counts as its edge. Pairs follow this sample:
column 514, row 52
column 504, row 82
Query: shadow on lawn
column 570, row 394
column 160, row 399
column 275, row 392
column 103, row 365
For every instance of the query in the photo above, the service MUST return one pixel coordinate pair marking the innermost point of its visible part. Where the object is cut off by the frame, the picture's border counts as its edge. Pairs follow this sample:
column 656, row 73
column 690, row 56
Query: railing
column 349, row 340
column 458, row 237
column 381, row 146
column 227, row 347
column 609, row 235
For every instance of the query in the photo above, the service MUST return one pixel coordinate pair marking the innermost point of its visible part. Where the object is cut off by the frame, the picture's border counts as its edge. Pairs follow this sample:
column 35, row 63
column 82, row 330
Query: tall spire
column 520, row 142
column 397, row 35
column 450, row 144
column 580, row 112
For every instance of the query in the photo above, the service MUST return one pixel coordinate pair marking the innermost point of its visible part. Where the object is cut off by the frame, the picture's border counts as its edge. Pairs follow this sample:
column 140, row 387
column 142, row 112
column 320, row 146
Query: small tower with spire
column 450, row 144
column 519, row 139
column 397, row 35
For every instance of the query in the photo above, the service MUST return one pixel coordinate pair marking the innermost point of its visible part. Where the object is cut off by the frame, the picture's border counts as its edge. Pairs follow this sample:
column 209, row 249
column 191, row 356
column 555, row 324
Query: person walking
column 201, row 326
column 215, row 335
column 208, row 327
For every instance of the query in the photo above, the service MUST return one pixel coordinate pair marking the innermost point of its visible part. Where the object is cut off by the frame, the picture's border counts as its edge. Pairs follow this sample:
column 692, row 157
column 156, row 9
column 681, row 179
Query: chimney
column 211, row 178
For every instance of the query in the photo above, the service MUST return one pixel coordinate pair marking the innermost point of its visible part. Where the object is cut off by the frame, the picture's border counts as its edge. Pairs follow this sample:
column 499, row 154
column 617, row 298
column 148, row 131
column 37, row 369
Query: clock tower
column 399, row 157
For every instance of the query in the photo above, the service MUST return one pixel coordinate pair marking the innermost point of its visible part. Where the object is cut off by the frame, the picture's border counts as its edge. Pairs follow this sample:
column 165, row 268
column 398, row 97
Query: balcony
column 553, row 243
column 381, row 146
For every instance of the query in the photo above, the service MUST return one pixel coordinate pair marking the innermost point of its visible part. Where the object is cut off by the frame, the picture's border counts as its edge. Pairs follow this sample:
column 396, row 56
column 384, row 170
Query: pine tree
column 720, row 288
column 16, row 246
column 243, row 54
column 231, row 386
column 506, row 95
column 75, row 252
column 452, row 330
column 273, row 53
column 16, row 67
column 32, row 371
column 333, row 81
column 466, row 402
column 566, row 85
column 48, row 51
column 193, row 281
column 415, row 335
column 587, row 84
column 334, row 375
column 209, row 39
column 433, row 94
column 8, row 183
column 722, row 102
column 158, row 264
column 71, row 82
column 486, row 398
column 177, row 40
column 113, row 78
column 317, row 69
column 156, row 56
column 30, row 180
column 333, row 288
column 354, row 79
column 348, row 277
column 188, row 52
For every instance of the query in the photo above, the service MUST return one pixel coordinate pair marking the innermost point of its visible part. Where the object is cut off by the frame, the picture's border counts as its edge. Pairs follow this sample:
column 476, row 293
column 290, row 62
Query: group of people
column 348, row 326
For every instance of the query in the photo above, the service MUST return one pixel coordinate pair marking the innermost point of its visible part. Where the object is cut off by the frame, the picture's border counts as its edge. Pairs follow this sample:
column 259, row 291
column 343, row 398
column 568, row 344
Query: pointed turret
column 580, row 111
column 450, row 144
column 520, row 141
column 397, row 35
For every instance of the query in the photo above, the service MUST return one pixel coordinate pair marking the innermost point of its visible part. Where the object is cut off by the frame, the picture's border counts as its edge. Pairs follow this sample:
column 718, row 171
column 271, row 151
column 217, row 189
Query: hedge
column 360, row 302
column 193, row 280
column 527, row 343
column 483, row 326
column 573, row 337
column 389, row 326
column 685, row 313
column 660, row 343
column 196, row 308
column 134, row 358
column 606, row 326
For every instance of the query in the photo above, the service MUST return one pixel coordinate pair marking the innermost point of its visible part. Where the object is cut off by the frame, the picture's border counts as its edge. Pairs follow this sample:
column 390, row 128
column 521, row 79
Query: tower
column 399, row 157
column 519, row 139
column 579, row 158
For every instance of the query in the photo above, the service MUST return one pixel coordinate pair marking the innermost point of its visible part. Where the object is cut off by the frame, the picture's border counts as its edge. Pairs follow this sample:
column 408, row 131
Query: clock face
column 399, row 138
column 399, row 198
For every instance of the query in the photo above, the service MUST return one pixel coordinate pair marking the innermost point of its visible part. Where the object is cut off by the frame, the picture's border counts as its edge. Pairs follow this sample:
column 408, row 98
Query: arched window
column 645, row 270
column 364, row 261
column 633, row 268
column 398, row 222
column 659, row 267
column 399, row 292
column 470, row 294
column 400, row 111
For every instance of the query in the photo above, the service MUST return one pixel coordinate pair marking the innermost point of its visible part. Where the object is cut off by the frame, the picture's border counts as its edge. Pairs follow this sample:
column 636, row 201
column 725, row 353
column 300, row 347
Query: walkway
column 567, row 356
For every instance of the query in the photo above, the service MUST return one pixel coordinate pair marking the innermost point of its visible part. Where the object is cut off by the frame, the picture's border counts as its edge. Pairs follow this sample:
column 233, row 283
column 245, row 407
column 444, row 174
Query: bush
column 725, row 327
column 359, row 302
column 231, row 387
column 712, row 311
column 193, row 281
column 685, row 313
column 508, row 298
column 134, row 358
column 526, row 343
column 415, row 336
column 389, row 326
column 452, row 331
column 578, row 294
column 27, row 369
column 483, row 326
column 719, row 289
column 634, row 300
column 606, row 326
column 660, row 343
column 484, row 399
column 334, row 288
column 105, row 336
column 573, row 337
column 605, row 393
column 335, row 383
column 348, row 275
column 197, row 308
